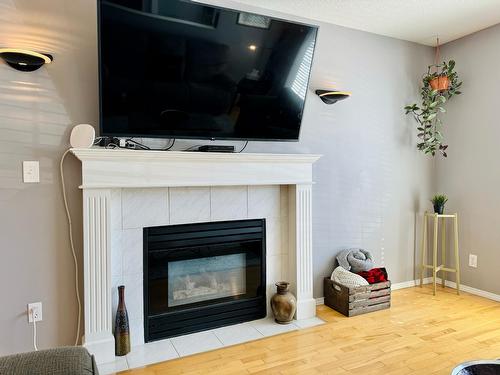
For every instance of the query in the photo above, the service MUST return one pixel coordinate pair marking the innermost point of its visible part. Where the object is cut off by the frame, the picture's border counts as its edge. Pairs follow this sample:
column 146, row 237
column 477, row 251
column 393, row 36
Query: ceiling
column 418, row 21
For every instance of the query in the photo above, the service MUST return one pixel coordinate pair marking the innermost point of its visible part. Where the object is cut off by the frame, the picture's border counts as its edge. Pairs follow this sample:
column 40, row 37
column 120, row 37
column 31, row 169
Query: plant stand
column 434, row 266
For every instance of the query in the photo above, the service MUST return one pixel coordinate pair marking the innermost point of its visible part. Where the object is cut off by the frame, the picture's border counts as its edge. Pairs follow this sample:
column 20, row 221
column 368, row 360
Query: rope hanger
column 437, row 55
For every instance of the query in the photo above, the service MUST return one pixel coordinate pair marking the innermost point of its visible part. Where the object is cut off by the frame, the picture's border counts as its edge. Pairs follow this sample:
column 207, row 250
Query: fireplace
column 204, row 275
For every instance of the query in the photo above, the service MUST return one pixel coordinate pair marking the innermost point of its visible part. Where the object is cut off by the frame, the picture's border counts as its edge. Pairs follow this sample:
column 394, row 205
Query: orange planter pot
column 440, row 83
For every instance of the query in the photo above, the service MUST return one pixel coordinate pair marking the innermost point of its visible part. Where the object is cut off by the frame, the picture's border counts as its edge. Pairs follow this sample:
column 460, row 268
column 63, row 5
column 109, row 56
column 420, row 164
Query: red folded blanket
column 375, row 275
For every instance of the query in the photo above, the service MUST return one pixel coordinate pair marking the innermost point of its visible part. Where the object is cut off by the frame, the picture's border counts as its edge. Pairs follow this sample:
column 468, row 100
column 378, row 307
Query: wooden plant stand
column 434, row 266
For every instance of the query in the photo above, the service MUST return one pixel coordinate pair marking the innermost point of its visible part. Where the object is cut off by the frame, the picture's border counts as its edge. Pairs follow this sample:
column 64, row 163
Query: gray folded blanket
column 355, row 260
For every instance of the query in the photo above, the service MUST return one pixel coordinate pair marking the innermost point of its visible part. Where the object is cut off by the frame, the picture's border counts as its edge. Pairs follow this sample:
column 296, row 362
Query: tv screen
column 177, row 69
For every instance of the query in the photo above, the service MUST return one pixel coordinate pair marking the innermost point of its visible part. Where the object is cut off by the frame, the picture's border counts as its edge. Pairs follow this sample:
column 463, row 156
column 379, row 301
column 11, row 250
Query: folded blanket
column 355, row 260
column 349, row 279
column 375, row 275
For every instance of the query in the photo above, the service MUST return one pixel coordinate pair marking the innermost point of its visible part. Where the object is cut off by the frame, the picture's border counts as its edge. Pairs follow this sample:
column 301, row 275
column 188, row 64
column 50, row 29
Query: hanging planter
column 440, row 83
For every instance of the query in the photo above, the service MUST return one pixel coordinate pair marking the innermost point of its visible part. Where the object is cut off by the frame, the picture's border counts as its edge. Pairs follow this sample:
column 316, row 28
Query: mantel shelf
column 99, row 153
column 112, row 168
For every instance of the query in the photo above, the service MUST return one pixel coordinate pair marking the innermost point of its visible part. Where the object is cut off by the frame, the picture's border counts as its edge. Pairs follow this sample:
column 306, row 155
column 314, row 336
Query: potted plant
column 438, row 87
column 438, row 202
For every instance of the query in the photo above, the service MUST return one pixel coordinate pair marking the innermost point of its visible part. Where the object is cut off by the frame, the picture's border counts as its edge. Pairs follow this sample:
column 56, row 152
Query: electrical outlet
column 473, row 260
column 34, row 312
column 31, row 171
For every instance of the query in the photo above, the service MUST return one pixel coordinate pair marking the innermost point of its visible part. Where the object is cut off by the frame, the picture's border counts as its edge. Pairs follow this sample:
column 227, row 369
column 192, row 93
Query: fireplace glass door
column 204, row 279
column 204, row 275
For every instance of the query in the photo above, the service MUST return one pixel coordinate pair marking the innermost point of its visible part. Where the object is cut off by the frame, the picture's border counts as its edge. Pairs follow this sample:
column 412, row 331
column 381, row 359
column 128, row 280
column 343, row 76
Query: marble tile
column 268, row 327
column 264, row 201
column 196, row 343
column 285, row 267
column 116, row 209
column 273, row 236
column 237, row 334
column 228, row 202
column 144, row 207
column 307, row 323
column 273, row 269
column 132, row 249
column 134, row 296
column 189, row 205
column 284, row 200
column 116, row 252
column 119, row 364
column 136, row 332
column 151, row 352
column 285, row 238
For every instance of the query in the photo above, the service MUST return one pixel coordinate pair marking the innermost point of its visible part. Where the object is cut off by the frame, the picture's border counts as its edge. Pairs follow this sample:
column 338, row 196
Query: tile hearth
column 181, row 346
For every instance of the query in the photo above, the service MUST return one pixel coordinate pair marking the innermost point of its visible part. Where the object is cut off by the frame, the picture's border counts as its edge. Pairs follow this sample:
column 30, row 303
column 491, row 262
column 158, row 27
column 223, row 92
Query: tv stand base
column 216, row 148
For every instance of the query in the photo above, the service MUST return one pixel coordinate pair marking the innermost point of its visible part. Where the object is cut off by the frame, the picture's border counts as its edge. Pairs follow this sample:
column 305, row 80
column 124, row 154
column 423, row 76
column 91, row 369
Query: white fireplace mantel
column 104, row 170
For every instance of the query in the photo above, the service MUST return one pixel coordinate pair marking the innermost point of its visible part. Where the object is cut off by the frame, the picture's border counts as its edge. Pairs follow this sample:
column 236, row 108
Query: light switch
column 31, row 171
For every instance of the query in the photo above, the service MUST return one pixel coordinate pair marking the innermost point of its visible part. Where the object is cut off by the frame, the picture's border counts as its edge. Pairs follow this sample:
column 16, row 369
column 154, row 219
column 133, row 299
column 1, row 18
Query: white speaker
column 82, row 136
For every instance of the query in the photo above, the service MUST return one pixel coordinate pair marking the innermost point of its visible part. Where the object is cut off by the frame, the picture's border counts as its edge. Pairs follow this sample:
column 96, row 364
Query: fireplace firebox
column 204, row 275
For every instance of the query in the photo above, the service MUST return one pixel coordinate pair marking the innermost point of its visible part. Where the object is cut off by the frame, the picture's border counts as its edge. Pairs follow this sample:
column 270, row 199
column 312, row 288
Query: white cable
column 70, row 229
column 34, row 330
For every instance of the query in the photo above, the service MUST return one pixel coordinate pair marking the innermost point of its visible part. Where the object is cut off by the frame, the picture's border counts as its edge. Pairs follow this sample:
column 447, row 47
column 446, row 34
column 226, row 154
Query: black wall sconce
column 331, row 96
column 23, row 59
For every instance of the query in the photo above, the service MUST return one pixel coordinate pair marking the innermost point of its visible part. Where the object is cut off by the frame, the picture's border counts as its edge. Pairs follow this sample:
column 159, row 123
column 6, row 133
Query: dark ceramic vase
column 439, row 209
column 283, row 303
column 122, row 330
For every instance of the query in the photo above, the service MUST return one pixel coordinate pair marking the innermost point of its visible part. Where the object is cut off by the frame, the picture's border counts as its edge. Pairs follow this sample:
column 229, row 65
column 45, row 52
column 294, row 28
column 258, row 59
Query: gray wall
column 369, row 184
column 37, row 111
column 470, row 175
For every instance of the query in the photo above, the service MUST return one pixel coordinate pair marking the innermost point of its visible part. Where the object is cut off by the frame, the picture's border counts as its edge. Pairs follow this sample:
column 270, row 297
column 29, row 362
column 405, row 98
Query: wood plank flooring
column 420, row 334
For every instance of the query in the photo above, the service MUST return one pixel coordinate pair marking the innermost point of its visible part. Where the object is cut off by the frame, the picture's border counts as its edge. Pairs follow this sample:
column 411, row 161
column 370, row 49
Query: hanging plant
column 438, row 87
column 440, row 83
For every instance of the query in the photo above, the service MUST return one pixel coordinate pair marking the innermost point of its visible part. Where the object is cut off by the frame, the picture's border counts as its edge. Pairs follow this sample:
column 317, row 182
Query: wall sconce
column 24, row 60
column 331, row 96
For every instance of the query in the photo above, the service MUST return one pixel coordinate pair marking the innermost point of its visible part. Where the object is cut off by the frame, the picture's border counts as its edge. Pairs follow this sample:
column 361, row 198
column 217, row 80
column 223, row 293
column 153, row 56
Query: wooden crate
column 356, row 301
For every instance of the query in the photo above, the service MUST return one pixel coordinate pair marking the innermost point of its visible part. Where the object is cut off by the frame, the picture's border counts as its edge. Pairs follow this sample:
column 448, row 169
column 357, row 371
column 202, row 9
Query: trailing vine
column 433, row 100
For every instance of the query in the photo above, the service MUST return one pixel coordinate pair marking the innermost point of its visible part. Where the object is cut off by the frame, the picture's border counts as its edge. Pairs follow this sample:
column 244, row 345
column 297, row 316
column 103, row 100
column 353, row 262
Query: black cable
column 169, row 147
column 141, row 146
column 244, row 147
column 144, row 147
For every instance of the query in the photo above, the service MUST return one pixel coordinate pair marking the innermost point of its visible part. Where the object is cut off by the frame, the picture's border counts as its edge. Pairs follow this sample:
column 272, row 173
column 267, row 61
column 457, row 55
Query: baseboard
column 410, row 283
column 471, row 290
column 428, row 280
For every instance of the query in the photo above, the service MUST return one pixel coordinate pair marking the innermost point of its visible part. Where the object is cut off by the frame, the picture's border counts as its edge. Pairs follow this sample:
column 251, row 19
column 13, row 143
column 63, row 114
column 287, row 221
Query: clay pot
column 122, row 330
column 283, row 303
column 440, row 83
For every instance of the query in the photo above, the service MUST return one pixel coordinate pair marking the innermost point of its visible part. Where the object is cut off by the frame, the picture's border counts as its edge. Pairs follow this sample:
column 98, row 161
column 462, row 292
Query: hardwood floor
column 420, row 334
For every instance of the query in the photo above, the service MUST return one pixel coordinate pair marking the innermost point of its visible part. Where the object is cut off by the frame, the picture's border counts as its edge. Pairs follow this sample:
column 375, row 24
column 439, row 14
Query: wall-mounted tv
column 179, row 69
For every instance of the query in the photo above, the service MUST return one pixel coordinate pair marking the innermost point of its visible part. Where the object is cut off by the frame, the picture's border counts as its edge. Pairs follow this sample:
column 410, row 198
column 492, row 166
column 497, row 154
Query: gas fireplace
column 204, row 275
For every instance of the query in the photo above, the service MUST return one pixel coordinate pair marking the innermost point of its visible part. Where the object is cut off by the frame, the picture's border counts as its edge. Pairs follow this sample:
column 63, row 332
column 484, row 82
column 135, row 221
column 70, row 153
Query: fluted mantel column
column 301, row 255
column 98, row 338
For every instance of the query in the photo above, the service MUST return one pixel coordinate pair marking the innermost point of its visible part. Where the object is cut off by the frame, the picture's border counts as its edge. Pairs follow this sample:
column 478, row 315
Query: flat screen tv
column 178, row 69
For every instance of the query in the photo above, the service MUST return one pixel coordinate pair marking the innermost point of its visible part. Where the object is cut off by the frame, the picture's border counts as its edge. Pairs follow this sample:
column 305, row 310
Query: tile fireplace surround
column 126, row 190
